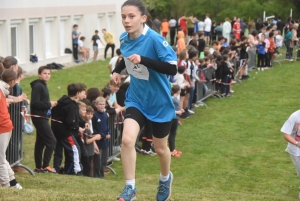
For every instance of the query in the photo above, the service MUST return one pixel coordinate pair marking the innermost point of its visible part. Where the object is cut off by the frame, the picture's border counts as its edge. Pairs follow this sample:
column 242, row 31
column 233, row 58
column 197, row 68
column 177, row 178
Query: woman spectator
column 7, row 178
column 252, row 41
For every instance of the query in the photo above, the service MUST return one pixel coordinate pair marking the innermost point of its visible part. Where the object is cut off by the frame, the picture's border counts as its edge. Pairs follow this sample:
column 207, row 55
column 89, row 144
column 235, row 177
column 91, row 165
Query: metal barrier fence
column 207, row 87
column 115, row 123
column 15, row 149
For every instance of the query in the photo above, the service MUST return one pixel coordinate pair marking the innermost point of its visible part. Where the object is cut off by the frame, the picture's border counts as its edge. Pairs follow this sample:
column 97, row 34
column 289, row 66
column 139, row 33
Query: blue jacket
column 100, row 126
column 261, row 48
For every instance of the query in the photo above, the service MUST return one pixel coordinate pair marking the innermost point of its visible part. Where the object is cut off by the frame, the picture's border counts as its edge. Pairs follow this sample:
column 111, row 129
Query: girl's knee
column 127, row 141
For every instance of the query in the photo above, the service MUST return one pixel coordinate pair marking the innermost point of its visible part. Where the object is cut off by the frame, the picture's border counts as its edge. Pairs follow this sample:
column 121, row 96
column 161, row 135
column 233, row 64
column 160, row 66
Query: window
column 31, row 39
column 14, row 41
column 48, row 39
column 62, row 37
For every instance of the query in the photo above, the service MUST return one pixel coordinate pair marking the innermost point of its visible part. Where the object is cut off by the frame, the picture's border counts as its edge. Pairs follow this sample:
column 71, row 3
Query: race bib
column 138, row 71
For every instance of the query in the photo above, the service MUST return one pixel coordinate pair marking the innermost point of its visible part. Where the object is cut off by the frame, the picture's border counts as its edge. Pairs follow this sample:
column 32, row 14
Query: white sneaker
column 116, row 159
column 231, row 91
column 233, row 82
column 258, row 69
column 150, row 152
column 291, row 60
column 262, row 69
column 17, row 186
column 191, row 112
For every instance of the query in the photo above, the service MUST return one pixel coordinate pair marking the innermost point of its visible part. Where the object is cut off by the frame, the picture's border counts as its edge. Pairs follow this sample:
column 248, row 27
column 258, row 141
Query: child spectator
column 278, row 41
column 266, row 54
column 100, row 125
column 218, row 73
column 84, row 157
column 182, row 83
column 175, row 91
column 180, row 41
column 271, row 49
column 214, row 47
column 96, row 40
column 89, row 137
column 75, row 36
column 287, row 41
column 106, row 94
column 67, row 112
column 114, row 87
column 40, row 105
column 261, row 53
column 201, row 43
column 7, row 178
column 243, row 55
column 226, row 70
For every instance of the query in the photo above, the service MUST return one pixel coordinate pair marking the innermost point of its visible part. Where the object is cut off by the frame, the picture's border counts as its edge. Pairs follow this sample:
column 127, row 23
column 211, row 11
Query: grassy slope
column 232, row 150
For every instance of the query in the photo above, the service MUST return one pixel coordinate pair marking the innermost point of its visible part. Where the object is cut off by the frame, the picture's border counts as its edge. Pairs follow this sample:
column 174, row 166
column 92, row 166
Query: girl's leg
column 296, row 161
column 186, row 100
column 128, row 153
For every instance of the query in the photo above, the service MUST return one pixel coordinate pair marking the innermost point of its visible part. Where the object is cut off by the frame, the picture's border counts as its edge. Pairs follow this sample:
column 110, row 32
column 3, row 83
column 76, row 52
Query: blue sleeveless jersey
column 149, row 91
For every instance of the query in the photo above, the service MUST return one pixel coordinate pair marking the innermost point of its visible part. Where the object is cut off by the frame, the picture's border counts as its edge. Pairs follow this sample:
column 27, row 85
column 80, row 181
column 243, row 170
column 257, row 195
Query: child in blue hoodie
column 261, row 53
column 100, row 125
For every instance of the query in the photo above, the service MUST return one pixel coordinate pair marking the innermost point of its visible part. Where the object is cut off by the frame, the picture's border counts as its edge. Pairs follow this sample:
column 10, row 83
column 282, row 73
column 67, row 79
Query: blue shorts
column 206, row 33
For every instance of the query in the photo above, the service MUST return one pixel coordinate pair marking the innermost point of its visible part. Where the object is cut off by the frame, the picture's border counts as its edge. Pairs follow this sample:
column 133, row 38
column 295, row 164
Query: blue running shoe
column 128, row 194
column 164, row 189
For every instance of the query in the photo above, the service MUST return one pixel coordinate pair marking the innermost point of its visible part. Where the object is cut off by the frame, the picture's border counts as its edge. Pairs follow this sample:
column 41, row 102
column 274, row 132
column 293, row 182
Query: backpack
column 55, row 66
column 33, row 58
column 68, row 51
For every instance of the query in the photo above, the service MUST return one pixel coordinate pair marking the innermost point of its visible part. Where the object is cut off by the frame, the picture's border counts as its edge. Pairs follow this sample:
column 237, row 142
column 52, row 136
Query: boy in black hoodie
column 66, row 132
column 40, row 105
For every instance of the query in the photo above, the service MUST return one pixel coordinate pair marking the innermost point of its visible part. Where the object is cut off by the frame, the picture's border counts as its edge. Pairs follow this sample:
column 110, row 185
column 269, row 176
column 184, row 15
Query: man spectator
column 110, row 42
column 75, row 36
column 182, row 24
column 157, row 25
column 173, row 25
column 207, row 28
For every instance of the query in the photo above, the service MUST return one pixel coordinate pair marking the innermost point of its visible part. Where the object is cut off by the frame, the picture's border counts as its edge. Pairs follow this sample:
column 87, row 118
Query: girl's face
column 113, row 88
column 132, row 19
column 88, row 116
column 100, row 106
column 82, row 111
column 12, row 83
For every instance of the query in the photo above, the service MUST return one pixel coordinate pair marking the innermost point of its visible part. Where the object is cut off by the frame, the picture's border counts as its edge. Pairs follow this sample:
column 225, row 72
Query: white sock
column 164, row 178
column 131, row 182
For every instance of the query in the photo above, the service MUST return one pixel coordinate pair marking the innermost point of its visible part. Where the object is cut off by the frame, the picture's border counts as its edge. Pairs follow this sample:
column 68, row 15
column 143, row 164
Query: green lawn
column 232, row 150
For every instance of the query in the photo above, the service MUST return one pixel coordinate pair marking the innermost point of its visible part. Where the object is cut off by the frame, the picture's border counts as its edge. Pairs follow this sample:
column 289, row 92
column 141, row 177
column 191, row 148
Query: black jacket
column 66, row 111
column 40, row 100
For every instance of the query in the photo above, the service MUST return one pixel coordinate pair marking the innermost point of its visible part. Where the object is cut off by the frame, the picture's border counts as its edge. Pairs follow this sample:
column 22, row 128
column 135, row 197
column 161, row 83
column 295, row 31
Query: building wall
column 44, row 27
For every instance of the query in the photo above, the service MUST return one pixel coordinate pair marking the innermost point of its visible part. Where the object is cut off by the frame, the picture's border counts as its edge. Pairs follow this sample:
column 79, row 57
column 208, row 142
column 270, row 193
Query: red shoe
column 178, row 152
column 106, row 171
column 49, row 169
column 175, row 154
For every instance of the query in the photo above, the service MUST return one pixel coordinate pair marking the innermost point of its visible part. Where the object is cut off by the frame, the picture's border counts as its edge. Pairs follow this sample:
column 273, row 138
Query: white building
column 44, row 27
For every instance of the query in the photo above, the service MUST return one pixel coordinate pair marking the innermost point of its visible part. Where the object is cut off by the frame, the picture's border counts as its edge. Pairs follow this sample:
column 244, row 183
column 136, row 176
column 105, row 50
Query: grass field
column 232, row 150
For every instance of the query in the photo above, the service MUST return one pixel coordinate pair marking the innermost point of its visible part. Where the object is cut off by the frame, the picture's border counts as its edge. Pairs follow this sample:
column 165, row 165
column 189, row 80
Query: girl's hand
column 87, row 126
column 96, row 150
column 116, row 77
column 135, row 58
column 97, row 137
column 107, row 136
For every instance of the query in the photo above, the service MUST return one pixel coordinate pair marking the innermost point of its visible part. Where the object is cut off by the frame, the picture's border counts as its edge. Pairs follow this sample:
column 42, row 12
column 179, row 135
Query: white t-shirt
column 201, row 26
column 207, row 23
column 292, row 127
column 179, row 79
column 172, row 23
column 192, row 72
column 279, row 41
column 80, row 44
column 113, row 62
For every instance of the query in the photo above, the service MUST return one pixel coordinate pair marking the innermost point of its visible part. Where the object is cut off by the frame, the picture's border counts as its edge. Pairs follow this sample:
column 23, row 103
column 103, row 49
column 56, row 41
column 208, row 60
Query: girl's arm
column 93, row 139
column 159, row 66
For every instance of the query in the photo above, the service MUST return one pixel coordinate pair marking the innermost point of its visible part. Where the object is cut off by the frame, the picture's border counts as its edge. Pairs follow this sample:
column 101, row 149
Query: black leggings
column 172, row 135
column 260, row 60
